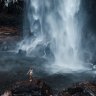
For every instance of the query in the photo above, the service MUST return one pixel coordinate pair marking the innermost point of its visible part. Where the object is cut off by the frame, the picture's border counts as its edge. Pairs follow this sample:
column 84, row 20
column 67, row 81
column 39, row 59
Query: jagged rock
column 80, row 89
column 40, row 88
column 27, row 88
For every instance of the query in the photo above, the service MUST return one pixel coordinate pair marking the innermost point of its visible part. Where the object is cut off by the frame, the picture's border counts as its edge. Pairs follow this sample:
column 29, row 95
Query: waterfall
column 33, row 36
column 54, row 23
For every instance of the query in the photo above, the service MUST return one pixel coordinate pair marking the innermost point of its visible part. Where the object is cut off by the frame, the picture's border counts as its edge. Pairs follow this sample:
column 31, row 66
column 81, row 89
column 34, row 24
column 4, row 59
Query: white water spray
column 34, row 15
column 63, row 32
column 66, row 37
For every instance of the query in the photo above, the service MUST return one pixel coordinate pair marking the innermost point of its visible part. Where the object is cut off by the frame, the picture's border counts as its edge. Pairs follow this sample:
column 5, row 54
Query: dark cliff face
column 89, row 30
column 11, row 20
column 16, row 7
column 89, row 7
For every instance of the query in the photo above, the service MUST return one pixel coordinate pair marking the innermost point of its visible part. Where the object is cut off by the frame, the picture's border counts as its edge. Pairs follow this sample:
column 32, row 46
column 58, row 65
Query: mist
column 55, row 29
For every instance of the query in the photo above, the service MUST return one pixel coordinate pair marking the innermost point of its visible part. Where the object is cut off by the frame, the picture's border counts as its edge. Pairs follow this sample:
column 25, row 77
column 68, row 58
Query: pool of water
column 14, row 67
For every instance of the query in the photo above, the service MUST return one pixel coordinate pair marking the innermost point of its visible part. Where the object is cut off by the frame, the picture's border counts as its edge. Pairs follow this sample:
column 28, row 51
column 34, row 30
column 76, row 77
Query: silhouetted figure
column 30, row 73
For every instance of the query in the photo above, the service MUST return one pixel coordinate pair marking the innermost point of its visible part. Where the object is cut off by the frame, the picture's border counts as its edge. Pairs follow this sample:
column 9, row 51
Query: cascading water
column 66, row 36
column 54, row 22
column 34, row 37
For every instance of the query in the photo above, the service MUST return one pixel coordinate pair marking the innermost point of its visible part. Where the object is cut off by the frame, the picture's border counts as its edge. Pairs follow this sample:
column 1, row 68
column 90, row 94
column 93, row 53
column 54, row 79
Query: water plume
column 54, row 24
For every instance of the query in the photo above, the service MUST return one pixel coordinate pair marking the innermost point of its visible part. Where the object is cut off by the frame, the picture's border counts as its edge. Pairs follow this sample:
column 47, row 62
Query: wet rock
column 37, row 87
column 21, row 52
column 27, row 88
column 11, row 20
column 80, row 89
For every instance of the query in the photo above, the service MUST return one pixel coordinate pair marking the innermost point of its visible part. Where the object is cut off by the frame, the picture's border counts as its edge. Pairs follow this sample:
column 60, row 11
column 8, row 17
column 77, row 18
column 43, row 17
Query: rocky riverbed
column 25, row 88
column 38, row 87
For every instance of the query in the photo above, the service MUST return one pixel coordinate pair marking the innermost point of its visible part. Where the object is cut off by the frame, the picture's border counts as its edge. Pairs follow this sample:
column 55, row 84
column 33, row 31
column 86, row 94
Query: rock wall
column 11, row 20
